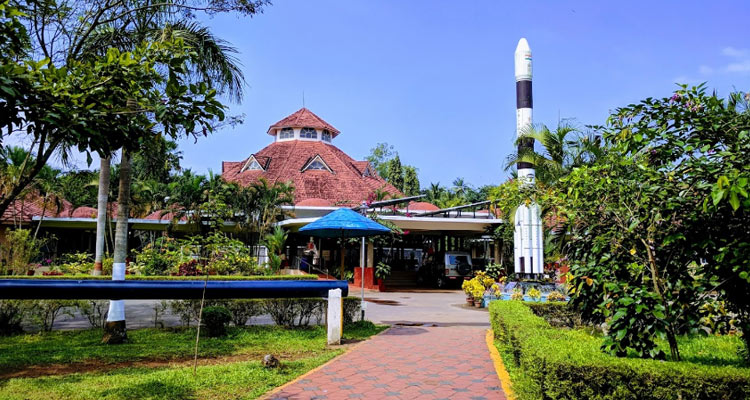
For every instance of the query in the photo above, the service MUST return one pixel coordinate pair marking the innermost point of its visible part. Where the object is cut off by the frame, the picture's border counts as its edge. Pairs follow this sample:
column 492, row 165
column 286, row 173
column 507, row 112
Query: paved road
column 444, row 308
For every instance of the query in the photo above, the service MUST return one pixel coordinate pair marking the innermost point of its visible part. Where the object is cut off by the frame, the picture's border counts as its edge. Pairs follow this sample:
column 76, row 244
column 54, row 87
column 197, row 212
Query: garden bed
column 558, row 363
column 172, row 278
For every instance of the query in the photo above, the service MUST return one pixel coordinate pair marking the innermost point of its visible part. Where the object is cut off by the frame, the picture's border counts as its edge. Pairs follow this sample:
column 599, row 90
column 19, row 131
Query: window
column 326, row 135
column 308, row 133
column 316, row 164
column 286, row 133
column 252, row 165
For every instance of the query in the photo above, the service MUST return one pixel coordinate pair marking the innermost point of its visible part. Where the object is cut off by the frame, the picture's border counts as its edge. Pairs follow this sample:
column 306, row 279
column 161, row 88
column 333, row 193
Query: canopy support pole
column 362, row 265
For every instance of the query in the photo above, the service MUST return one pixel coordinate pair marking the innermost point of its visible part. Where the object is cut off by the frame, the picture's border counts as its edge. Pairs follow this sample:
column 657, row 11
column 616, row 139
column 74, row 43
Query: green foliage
column 175, row 278
column 12, row 313
column 653, row 230
column 18, row 250
column 495, row 271
column 78, row 187
column 379, row 157
column 95, row 312
column 242, row 310
column 44, row 312
column 274, row 242
column 295, row 312
column 215, row 319
column 545, row 362
column 76, row 263
column 396, row 173
column 411, row 181
column 382, row 270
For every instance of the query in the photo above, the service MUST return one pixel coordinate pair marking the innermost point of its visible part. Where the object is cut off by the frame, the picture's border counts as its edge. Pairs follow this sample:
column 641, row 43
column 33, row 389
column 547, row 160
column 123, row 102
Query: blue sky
column 435, row 78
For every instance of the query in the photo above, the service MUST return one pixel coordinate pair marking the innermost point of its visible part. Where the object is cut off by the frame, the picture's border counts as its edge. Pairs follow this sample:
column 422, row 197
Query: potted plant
column 466, row 287
column 382, row 271
column 534, row 294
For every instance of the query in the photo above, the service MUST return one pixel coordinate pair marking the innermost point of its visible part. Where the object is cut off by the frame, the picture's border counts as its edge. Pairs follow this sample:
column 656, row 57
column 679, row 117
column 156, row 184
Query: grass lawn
column 238, row 376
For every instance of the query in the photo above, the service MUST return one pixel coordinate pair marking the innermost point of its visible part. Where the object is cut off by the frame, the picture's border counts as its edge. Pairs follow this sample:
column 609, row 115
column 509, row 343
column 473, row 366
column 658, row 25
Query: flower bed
column 554, row 363
column 173, row 278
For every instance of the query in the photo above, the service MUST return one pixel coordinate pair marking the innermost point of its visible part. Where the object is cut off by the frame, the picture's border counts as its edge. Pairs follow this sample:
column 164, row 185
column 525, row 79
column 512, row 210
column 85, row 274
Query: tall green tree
column 396, row 173
column 411, row 181
column 559, row 149
column 379, row 157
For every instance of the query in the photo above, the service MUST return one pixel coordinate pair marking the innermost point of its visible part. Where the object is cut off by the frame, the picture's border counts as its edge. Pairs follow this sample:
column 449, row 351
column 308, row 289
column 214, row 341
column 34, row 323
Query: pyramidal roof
column 303, row 118
column 344, row 181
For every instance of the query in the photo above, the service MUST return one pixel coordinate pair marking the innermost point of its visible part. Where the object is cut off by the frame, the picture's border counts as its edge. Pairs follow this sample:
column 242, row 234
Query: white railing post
column 335, row 315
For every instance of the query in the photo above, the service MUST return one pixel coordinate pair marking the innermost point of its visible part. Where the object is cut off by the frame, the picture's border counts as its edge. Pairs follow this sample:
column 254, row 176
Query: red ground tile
column 439, row 359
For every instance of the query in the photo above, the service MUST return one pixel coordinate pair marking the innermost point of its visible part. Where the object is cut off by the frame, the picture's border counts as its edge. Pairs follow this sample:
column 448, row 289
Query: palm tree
column 214, row 62
column 47, row 183
column 556, row 158
column 101, row 212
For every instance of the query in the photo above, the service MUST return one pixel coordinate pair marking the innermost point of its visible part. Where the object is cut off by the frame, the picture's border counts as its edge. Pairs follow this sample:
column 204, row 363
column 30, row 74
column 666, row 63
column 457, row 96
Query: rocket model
column 528, row 253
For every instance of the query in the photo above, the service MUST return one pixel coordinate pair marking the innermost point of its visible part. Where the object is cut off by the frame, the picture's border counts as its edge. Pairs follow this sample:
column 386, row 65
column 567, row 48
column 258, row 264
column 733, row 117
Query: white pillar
column 335, row 316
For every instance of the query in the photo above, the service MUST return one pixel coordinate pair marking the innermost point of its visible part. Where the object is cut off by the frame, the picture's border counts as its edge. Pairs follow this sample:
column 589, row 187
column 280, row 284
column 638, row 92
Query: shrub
column 557, row 314
column 18, row 250
column 11, row 316
column 556, row 296
column 295, row 312
column 495, row 271
column 186, row 310
column 76, row 263
column 382, row 270
column 215, row 319
column 517, row 294
column 95, row 312
column 352, row 309
column 550, row 363
column 45, row 312
column 189, row 268
column 243, row 309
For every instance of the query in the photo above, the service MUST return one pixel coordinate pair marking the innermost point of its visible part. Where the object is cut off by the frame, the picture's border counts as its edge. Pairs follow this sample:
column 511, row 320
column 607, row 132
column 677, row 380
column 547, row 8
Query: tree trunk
column 115, row 331
column 101, row 213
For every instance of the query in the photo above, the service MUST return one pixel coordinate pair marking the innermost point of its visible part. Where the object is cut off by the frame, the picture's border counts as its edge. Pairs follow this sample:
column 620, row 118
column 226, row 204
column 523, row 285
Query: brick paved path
column 406, row 363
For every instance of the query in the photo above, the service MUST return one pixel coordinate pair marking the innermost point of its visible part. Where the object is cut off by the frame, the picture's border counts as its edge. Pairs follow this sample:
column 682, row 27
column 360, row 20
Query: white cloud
column 705, row 70
column 735, row 53
column 743, row 66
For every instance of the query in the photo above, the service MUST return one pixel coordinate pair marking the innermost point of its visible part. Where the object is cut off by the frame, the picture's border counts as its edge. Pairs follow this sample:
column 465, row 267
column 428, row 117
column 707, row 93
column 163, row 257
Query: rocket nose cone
column 523, row 46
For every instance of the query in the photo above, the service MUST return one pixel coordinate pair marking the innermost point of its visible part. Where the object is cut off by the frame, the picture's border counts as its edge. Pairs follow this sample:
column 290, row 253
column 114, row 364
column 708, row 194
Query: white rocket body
column 528, row 251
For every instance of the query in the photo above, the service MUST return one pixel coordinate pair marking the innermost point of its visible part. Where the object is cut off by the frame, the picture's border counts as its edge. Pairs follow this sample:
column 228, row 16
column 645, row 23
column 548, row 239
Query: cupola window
column 286, row 133
column 308, row 133
column 326, row 135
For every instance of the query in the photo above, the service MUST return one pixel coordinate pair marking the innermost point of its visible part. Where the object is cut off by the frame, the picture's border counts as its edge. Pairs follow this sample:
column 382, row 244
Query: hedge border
column 551, row 363
column 171, row 278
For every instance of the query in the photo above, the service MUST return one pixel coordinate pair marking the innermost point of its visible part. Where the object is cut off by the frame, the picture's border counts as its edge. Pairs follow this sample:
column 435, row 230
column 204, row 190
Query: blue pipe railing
column 132, row 289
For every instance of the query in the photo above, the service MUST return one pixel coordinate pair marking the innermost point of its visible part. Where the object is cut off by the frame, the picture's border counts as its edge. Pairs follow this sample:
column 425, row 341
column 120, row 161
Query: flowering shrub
column 480, row 284
column 534, row 293
column 556, row 296
column 517, row 294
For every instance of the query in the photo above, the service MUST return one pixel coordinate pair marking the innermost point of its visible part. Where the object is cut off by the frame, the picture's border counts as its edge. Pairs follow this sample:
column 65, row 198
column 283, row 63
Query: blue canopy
column 344, row 223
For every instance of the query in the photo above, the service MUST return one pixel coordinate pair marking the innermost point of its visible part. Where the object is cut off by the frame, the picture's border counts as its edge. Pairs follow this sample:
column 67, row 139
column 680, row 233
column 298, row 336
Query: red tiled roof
column 84, row 212
column 303, row 118
column 422, row 206
column 345, row 186
column 314, row 202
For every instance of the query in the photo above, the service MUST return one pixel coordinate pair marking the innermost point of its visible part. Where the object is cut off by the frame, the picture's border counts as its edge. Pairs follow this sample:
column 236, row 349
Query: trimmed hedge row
column 551, row 363
column 172, row 278
column 291, row 312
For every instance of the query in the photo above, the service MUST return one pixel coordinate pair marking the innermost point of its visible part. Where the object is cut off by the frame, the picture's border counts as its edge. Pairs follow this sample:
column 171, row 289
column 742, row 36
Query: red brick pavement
column 406, row 363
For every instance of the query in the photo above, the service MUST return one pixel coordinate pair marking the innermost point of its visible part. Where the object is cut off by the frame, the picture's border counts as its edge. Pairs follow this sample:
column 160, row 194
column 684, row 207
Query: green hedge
column 173, row 278
column 552, row 363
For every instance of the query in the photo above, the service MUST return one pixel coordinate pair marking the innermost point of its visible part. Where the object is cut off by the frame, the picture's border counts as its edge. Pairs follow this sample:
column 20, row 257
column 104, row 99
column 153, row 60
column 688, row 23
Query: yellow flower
column 632, row 251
